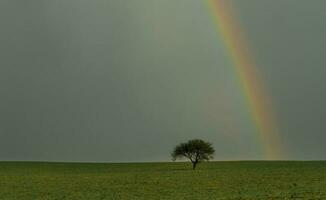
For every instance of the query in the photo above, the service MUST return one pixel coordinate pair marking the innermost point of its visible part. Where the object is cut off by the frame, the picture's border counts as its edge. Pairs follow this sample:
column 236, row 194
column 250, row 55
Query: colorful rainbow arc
column 258, row 101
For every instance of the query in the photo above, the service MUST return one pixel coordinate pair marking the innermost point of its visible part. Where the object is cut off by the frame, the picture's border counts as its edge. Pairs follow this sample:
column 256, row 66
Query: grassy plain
column 213, row 180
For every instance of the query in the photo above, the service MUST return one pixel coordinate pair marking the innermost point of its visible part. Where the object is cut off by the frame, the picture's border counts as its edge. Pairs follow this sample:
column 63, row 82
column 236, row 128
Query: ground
column 213, row 180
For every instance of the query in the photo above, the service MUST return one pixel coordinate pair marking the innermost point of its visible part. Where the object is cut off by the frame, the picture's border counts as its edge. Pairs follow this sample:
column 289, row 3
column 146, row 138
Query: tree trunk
column 194, row 165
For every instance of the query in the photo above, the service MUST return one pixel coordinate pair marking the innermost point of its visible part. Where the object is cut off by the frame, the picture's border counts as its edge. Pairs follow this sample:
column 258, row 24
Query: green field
column 213, row 180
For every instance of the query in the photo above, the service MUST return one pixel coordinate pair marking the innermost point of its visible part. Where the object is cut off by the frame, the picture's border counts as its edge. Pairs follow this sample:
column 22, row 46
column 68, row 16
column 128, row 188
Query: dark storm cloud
column 126, row 80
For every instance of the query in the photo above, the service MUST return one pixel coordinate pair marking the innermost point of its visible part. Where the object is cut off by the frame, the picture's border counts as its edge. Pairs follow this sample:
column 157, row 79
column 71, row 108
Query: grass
column 213, row 180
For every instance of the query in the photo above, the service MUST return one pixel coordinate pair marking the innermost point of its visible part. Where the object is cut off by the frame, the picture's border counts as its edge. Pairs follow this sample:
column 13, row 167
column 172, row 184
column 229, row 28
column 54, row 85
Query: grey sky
column 126, row 80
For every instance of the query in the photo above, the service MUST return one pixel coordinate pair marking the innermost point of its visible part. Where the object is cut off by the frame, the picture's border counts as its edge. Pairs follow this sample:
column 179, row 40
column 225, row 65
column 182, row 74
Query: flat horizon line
column 153, row 162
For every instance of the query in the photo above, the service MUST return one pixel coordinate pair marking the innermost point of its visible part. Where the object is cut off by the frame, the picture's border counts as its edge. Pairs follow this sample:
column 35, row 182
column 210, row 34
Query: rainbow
column 246, row 70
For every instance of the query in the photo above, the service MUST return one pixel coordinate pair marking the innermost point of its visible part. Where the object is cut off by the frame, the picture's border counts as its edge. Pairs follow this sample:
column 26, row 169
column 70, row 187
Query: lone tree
column 195, row 150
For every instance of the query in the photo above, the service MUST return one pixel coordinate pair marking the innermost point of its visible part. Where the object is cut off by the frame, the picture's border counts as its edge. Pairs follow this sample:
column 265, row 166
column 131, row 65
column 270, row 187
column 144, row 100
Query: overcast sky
column 112, row 80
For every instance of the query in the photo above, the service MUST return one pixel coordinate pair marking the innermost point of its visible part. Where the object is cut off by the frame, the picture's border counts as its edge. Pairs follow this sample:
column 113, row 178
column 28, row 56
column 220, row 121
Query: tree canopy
column 195, row 150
